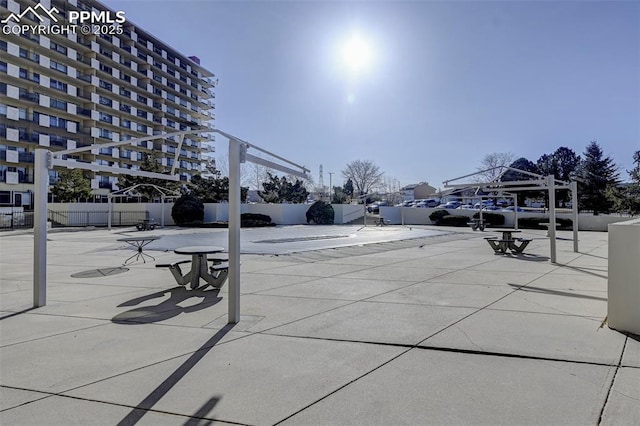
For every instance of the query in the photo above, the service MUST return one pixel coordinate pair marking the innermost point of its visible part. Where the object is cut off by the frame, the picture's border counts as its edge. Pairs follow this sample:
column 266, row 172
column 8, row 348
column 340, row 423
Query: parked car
column 375, row 206
column 513, row 208
column 484, row 204
column 450, row 205
column 466, row 207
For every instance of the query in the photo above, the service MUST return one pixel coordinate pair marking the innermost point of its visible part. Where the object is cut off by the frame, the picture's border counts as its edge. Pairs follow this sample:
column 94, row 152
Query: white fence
column 420, row 216
column 281, row 214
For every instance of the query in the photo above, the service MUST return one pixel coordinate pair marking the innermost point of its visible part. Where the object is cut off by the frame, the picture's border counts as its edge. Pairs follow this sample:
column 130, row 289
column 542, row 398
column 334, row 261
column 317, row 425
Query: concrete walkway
column 435, row 330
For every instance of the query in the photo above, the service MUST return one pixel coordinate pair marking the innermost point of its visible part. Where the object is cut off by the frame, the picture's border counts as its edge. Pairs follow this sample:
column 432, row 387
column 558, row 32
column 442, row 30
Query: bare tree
column 364, row 174
column 392, row 188
column 246, row 172
column 492, row 165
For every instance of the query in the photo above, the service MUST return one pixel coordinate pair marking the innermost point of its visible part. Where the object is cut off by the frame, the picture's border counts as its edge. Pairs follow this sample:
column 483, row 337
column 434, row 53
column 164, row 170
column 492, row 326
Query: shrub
column 534, row 222
column 187, row 209
column 454, row 220
column 493, row 219
column 437, row 216
column 320, row 213
column 254, row 220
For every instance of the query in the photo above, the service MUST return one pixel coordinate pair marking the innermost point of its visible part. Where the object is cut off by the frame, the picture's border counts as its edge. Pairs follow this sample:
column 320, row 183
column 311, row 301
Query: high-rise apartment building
column 65, row 85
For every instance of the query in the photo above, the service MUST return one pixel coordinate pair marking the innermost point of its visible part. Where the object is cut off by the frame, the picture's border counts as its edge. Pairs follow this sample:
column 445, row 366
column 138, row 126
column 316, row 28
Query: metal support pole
column 515, row 211
column 364, row 206
column 162, row 198
column 234, row 231
column 110, row 212
column 551, row 185
column 41, row 189
column 574, row 209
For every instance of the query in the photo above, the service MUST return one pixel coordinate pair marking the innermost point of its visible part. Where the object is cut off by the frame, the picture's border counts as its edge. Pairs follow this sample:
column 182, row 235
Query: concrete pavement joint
column 613, row 380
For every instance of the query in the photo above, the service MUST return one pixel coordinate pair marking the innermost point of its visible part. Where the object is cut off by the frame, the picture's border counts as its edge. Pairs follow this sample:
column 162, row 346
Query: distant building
column 67, row 90
column 418, row 191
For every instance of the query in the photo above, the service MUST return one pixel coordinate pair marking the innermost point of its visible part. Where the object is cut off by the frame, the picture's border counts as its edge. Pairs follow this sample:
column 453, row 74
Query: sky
column 436, row 85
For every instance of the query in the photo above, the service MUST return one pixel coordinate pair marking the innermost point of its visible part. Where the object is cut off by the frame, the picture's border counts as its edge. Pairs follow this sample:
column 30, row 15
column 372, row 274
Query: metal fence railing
column 95, row 218
column 16, row 220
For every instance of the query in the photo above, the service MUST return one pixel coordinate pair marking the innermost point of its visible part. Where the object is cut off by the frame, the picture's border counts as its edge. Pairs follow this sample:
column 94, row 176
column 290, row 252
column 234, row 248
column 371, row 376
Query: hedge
column 320, row 213
column 493, row 219
column 436, row 216
column 454, row 220
column 187, row 209
column 534, row 222
column 255, row 220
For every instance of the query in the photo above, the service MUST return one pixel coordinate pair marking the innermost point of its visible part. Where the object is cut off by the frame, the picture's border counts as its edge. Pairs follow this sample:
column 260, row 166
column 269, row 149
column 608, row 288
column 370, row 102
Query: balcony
column 32, row 97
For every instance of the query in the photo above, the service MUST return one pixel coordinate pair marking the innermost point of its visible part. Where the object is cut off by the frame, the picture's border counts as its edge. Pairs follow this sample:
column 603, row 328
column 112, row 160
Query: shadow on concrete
column 555, row 292
column 593, row 255
column 524, row 256
column 180, row 301
column 201, row 414
column 136, row 414
column 101, row 272
column 585, row 270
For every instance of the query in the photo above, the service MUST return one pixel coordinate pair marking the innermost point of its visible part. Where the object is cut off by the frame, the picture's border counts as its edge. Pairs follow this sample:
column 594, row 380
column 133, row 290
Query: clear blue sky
column 446, row 83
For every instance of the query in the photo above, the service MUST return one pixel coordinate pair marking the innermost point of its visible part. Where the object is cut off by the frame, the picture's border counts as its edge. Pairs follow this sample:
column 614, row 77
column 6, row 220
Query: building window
column 58, row 66
column 125, row 123
column 142, row 99
column 125, row 92
column 58, row 85
column 105, row 101
column 105, row 68
column 57, row 47
column 3, row 66
column 105, row 117
column 104, row 133
column 105, row 85
column 125, row 108
column 141, row 128
column 60, row 123
column 141, row 113
column 57, row 103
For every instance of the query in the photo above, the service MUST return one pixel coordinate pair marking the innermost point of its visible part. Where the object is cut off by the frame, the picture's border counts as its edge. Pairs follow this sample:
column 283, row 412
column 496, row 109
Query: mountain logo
column 39, row 11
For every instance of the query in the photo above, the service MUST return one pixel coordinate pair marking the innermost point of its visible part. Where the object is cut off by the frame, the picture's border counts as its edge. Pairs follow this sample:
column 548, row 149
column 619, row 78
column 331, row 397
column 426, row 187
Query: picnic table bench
column 476, row 224
column 381, row 221
column 508, row 242
column 215, row 275
column 146, row 225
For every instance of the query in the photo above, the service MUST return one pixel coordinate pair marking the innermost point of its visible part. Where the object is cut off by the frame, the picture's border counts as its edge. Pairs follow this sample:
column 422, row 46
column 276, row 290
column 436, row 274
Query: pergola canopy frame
column 127, row 192
column 539, row 183
column 46, row 160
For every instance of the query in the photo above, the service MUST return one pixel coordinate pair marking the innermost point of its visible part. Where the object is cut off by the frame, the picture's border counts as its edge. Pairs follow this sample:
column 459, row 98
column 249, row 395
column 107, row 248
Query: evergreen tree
column 630, row 195
column 280, row 190
column 348, row 188
column 213, row 188
column 597, row 175
column 71, row 186
column 562, row 164
column 512, row 175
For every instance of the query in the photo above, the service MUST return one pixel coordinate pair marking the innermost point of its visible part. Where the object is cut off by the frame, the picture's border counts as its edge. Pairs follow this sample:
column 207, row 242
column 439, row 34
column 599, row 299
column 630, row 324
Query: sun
column 356, row 53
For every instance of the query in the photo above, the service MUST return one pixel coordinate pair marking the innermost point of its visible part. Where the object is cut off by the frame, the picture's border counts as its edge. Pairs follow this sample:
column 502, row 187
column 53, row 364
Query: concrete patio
column 399, row 327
